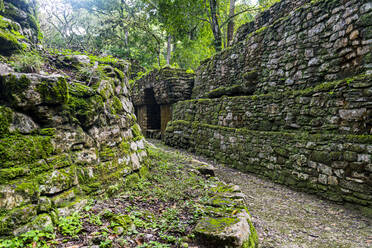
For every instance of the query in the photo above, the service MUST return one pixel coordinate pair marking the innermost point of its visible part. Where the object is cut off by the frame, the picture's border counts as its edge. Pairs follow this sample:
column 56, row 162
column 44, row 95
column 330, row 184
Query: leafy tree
column 153, row 32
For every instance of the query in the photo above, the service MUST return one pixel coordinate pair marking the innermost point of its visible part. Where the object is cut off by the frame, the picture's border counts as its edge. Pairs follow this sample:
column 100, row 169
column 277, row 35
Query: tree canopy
column 152, row 32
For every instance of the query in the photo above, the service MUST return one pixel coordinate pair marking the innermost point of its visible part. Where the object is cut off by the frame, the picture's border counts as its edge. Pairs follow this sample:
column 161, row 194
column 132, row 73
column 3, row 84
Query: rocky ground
column 288, row 219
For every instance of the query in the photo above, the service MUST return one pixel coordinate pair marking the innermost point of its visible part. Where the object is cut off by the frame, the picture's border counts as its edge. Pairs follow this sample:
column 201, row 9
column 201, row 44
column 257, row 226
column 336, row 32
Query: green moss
column 136, row 130
column 6, row 116
column 84, row 109
column 54, row 92
column 12, row 173
column 226, row 91
column 22, row 150
column 12, row 86
column 27, row 188
column 9, row 37
column 80, row 90
column 47, row 131
column 120, row 74
column 215, row 225
column 361, row 139
column 132, row 180
column 125, row 147
column 107, row 153
column 253, row 238
column 117, row 106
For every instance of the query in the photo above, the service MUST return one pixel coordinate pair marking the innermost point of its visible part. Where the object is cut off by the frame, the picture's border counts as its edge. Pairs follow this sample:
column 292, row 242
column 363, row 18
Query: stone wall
column 337, row 167
column 62, row 138
column 153, row 95
column 269, row 16
column 18, row 26
column 320, row 41
column 342, row 106
column 169, row 85
column 60, row 141
column 290, row 101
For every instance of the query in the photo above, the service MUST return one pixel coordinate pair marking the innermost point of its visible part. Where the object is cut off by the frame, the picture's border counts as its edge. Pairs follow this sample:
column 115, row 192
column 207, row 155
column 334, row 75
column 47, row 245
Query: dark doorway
column 153, row 110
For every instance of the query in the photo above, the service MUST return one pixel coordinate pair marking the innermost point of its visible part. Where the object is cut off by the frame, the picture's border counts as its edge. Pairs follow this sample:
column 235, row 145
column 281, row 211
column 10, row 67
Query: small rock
column 225, row 231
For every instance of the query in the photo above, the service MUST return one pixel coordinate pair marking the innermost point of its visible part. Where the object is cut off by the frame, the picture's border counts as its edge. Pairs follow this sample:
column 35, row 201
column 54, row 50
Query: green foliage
column 2, row 7
column 139, row 30
column 27, row 62
column 70, row 225
column 33, row 238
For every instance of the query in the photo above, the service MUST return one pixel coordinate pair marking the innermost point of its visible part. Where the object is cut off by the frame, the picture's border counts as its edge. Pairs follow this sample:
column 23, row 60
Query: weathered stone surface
column 299, row 160
column 225, row 231
column 61, row 140
column 169, row 86
column 294, row 44
column 18, row 26
column 227, row 223
column 317, row 109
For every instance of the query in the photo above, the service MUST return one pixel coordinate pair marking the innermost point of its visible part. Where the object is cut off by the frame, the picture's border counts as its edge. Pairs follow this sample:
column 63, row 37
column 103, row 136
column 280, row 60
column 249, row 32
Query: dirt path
column 288, row 219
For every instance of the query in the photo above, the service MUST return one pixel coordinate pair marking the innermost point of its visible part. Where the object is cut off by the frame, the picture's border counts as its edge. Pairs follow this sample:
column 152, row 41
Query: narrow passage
column 285, row 218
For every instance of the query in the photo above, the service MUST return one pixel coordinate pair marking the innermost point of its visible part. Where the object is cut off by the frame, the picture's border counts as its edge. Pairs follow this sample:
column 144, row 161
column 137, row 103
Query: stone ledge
column 339, row 107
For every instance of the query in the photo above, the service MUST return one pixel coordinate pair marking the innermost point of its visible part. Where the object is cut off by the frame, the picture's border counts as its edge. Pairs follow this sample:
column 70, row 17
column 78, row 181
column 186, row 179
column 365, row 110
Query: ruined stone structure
column 154, row 94
column 290, row 100
column 60, row 139
column 18, row 26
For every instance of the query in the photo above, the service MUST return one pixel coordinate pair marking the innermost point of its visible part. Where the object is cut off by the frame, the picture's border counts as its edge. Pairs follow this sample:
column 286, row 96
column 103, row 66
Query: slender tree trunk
column 158, row 55
column 169, row 49
column 126, row 36
column 215, row 26
column 231, row 25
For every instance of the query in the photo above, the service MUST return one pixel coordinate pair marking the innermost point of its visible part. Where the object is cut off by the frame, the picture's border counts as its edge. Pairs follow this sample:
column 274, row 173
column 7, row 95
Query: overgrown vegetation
column 27, row 62
column 158, row 207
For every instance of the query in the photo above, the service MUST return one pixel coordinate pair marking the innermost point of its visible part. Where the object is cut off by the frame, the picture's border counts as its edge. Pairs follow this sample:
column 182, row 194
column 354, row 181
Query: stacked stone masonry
column 337, row 167
column 343, row 106
column 320, row 41
column 61, row 141
column 291, row 100
column 154, row 94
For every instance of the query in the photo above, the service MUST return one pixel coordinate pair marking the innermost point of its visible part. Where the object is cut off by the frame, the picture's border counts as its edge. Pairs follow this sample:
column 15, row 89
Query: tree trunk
column 169, row 49
column 231, row 25
column 215, row 26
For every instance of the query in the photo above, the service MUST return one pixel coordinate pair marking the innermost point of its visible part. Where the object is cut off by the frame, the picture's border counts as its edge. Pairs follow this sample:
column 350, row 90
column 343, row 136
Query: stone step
column 342, row 106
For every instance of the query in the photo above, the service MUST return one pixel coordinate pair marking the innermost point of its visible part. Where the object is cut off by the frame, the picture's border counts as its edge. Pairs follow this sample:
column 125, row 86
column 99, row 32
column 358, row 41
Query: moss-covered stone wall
column 169, row 85
column 342, row 106
column 320, row 41
column 63, row 140
column 154, row 93
column 290, row 100
column 337, row 167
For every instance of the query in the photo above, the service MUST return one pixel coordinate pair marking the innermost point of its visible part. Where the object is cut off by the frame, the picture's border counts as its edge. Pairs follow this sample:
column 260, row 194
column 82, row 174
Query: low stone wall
column 60, row 141
column 340, row 107
column 321, row 41
column 337, row 167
